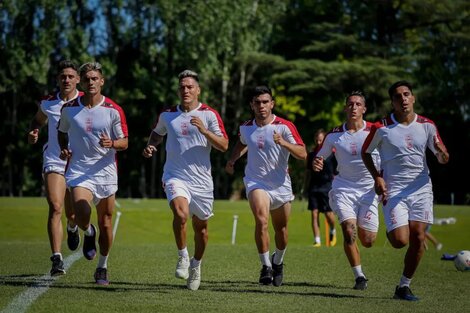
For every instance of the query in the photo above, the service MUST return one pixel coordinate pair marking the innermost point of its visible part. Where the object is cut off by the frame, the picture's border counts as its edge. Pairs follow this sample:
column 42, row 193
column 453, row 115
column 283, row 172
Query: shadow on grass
column 235, row 286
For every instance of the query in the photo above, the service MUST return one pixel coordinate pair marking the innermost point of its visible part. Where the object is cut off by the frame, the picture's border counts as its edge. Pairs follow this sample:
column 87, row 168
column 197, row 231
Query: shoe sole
column 58, row 273
column 181, row 276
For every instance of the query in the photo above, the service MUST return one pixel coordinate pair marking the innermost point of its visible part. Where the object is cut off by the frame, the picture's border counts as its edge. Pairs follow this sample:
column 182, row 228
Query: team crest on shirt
column 260, row 141
column 409, row 141
column 184, row 128
column 89, row 125
column 353, row 147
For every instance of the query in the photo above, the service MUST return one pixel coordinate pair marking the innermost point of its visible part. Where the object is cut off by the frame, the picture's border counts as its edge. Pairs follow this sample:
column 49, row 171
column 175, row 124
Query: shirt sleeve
column 327, row 148
column 160, row 128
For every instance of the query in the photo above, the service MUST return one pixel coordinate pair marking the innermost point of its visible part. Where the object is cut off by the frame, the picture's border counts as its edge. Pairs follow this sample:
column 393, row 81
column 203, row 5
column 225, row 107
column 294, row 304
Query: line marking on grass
column 41, row 285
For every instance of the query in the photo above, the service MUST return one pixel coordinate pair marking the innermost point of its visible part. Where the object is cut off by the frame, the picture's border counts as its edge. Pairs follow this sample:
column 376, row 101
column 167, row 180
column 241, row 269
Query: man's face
column 91, row 82
column 403, row 100
column 68, row 79
column 188, row 90
column 262, row 105
column 355, row 107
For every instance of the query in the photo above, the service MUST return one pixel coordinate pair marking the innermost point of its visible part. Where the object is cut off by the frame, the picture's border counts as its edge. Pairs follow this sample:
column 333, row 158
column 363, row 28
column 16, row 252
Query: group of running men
column 385, row 159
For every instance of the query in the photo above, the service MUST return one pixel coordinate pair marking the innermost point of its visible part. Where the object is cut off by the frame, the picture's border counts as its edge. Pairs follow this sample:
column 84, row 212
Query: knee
column 398, row 242
column 55, row 208
column 368, row 242
column 349, row 236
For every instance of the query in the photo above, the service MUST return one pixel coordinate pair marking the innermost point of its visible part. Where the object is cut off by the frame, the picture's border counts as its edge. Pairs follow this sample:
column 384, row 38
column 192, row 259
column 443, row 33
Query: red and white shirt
column 187, row 150
column 51, row 106
column 267, row 161
column 84, row 126
column 353, row 174
column 402, row 150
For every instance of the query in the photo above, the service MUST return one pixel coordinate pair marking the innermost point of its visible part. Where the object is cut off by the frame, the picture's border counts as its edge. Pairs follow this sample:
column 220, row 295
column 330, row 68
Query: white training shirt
column 51, row 106
column 187, row 150
column 347, row 146
column 267, row 162
column 84, row 126
column 402, row 150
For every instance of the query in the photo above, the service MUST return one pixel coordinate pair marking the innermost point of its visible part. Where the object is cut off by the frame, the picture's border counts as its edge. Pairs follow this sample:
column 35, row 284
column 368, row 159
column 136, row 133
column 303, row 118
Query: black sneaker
column 57, row 266
column 266, row 275
column 361, row 283
column 404, row 293
column 101, row 276
column 73, row 239
column 278, row 270
column 89, row 245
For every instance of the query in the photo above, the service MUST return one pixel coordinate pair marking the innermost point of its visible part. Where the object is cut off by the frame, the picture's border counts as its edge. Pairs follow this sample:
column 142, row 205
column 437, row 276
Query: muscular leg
column 350, row 246
column 69, row 211
column 81, row 198
column 180, row 208
column 105, row 210
column 367, row 237
column 200, row 237
column 55, row 191
column 280, row 217
column 416, row 248
column 259, row 203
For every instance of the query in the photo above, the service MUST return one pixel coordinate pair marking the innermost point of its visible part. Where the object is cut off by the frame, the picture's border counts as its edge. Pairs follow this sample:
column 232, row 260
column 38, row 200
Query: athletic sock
column 357, row 270
column 102, row 262
column 57, row 253
column 264, row 258
column 405, row 281
column 72, row 229
column 183, row 252
column 279, row 256
column 333, row 231
column 195, row 263
column 317, row 239
column 90, row 231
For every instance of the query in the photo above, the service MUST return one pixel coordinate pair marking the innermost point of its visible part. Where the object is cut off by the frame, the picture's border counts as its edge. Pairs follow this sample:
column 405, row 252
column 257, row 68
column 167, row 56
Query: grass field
column 142, row 260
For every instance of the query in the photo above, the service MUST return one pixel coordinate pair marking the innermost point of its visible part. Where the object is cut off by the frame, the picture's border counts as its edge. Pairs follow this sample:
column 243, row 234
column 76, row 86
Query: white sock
column 59, row 254
column 357, row 270
column 264, row 258
column 72, row 229
column 102, row 262
column 405, row 281
column 279, row 256
column 90, row 231
column 333, row 231
column 195, row 263
column 183, row 252
column 317, row 239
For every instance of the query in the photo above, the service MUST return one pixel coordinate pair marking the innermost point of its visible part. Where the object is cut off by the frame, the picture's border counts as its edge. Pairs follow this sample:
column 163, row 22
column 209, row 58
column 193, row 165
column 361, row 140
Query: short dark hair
column 260, row 90
column 188, row 73
column 399, row 83
column 355, row 93
column 66, row 64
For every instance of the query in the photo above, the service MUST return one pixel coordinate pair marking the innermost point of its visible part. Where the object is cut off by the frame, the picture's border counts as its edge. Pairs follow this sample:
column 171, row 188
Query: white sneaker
column 182, row 268
column 439, row 247
column 194, row 279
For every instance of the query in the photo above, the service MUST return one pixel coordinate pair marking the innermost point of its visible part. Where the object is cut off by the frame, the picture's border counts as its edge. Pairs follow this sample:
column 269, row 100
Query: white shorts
column 200, row 201
column 348, row 204
column 98, row 191
column 398, row 211
column 53, row 169
column 277, row 197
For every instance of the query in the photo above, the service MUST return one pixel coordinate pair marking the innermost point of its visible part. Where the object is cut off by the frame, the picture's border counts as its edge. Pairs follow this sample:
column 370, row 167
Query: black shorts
column 320, row 201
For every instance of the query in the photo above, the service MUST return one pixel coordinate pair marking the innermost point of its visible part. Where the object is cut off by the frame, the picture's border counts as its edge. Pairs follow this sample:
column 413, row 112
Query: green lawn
column 141, row 267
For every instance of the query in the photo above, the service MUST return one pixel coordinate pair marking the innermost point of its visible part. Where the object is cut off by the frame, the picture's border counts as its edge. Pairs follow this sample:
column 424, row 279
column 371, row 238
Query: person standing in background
column 319, row 185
